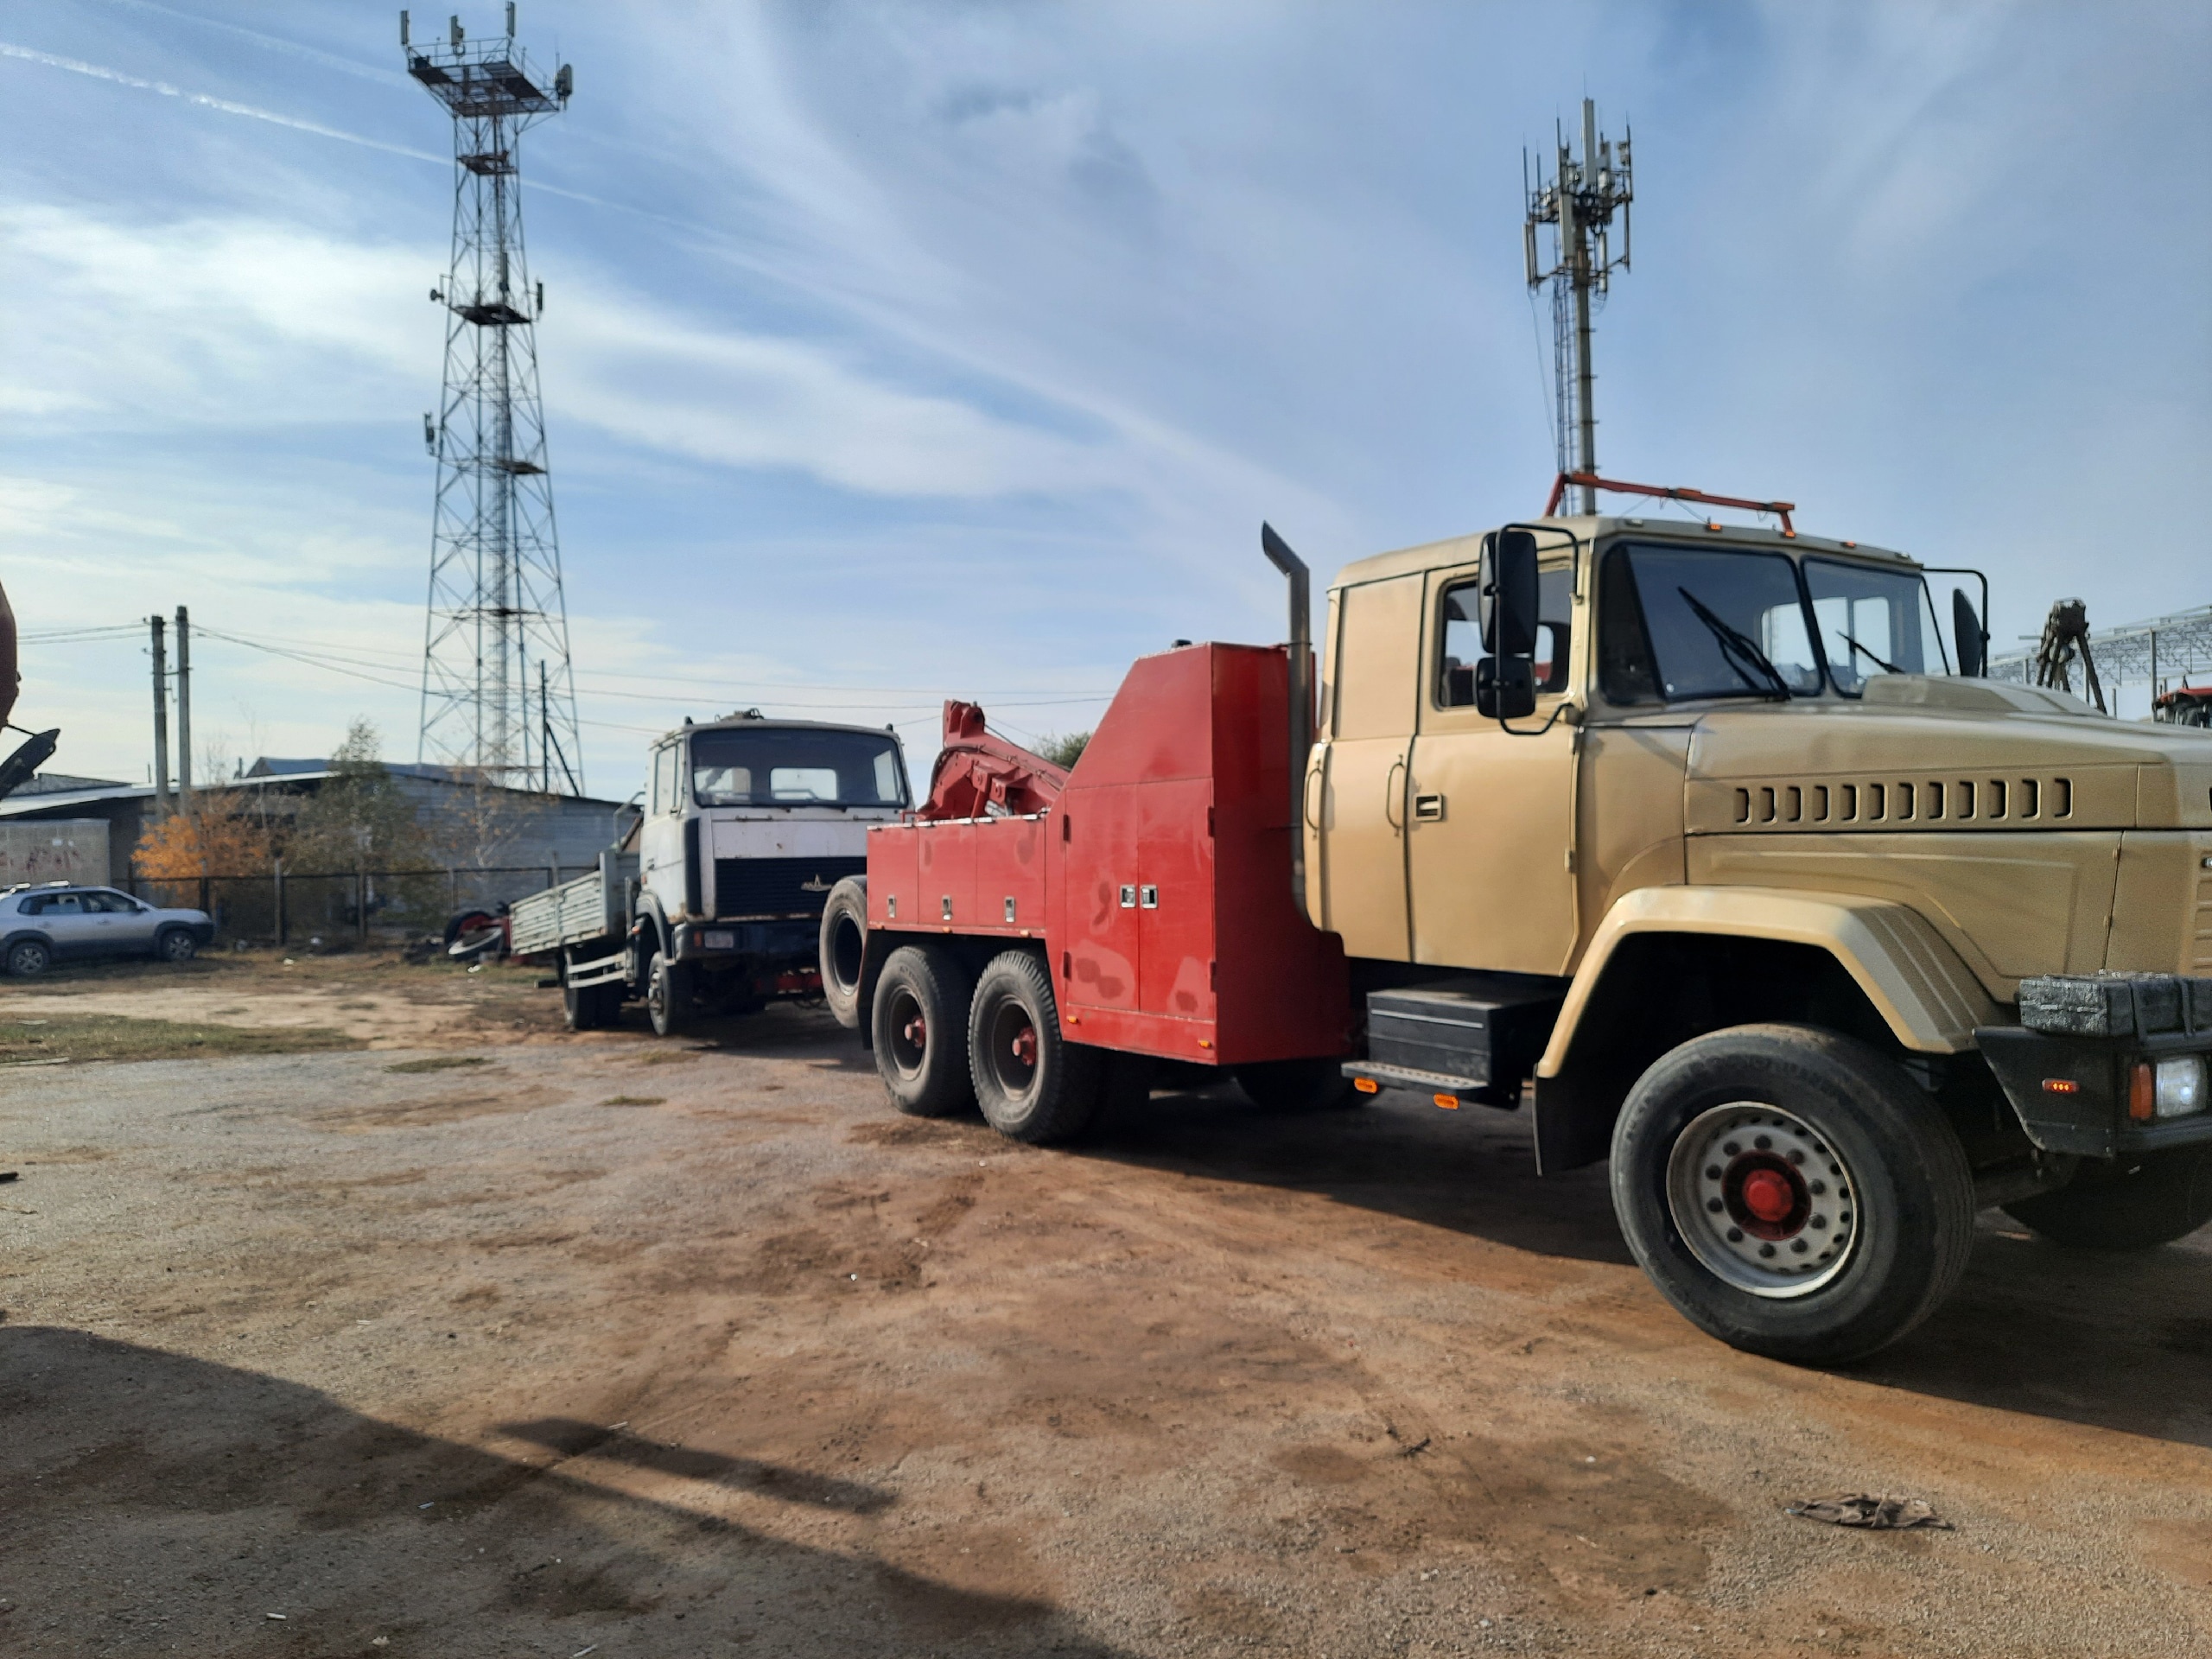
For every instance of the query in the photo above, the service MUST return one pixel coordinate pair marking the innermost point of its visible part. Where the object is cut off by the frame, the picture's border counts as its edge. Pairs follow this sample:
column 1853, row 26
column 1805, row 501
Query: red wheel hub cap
column 1025, row 1045
column 1767, row 1194
column 917, row 1032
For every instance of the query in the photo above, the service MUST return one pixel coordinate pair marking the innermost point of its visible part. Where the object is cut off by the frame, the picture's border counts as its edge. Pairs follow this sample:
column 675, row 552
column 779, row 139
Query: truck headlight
column 2178, row 1088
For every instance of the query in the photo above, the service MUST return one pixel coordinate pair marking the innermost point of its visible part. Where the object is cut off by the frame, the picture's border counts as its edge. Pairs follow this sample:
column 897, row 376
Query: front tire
column 1032, row 1083
column 919, row 1023
column 29, row 958
column 2134, row 1203
column 176, row 945
column 844, row 949
column 668, row 996
column 1792, row 1192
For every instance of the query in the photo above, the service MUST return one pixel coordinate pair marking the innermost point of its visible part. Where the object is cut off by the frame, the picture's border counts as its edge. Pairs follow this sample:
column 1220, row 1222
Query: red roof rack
column 1592, row 482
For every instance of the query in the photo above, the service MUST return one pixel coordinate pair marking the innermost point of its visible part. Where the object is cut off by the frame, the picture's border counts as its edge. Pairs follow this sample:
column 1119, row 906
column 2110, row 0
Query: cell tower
column 496, row 608
column 1578, row 203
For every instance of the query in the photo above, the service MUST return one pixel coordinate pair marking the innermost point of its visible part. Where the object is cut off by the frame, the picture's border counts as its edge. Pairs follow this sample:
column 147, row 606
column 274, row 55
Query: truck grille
column 778, row 886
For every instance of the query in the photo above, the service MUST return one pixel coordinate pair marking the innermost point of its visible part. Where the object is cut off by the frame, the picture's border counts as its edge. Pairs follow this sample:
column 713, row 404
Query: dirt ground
column 488, row 1339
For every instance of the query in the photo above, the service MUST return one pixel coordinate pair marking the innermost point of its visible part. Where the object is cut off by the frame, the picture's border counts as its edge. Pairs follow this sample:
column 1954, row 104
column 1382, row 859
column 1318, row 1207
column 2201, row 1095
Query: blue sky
column 896, row 352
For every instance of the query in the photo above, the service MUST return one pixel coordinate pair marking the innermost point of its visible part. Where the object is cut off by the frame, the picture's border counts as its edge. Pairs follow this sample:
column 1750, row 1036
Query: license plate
column 719, row 940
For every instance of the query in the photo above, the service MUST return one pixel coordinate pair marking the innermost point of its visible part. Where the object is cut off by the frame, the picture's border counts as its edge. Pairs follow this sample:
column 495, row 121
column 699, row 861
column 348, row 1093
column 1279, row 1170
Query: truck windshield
column 1874, row 621
column 773, row 767
column 1677, row 623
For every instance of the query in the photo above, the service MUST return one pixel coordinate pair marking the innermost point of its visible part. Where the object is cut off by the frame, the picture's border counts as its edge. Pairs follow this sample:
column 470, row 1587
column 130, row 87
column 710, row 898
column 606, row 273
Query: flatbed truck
column 712, row 903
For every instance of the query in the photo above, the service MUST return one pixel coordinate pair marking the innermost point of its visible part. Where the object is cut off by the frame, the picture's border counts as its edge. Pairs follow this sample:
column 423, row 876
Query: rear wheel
column 669, row 995
column 588, row 1007
column 844, row 948
column 1032, row 1083
column 176, row 945
column 2134, row 1204
column 1297, row 1085
column 29, row 958
column 920, row 1031
column 1792, row 1192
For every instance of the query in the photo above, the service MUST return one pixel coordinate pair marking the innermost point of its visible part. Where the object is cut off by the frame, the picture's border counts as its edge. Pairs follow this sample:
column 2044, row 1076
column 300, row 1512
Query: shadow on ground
column 161, row 1503
column 2117, row 1342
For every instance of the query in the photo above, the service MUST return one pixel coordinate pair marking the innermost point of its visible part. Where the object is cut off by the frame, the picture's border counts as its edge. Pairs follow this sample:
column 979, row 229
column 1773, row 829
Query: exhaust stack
column 1301, row 695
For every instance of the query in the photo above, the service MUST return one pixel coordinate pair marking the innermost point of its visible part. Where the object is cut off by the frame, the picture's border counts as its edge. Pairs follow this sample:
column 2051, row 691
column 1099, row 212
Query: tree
column 1061, row 752
column 359, row 819
column 224, row 833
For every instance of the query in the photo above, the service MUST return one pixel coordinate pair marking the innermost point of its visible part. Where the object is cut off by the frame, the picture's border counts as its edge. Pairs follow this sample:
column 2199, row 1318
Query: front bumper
column 793, row 940
column 2069, row 1066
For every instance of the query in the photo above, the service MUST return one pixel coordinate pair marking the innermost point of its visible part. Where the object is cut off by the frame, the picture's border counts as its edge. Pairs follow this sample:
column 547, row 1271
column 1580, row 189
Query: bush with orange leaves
column 223, row 835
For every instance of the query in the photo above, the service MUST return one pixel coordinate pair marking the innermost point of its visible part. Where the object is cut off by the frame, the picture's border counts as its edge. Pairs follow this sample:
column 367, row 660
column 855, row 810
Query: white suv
column 41, row 925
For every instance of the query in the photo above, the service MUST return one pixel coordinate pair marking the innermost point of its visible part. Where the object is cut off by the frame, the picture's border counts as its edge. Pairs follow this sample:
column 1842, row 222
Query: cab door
column 1489, row 828
column 1356, row 785
column 660, row 838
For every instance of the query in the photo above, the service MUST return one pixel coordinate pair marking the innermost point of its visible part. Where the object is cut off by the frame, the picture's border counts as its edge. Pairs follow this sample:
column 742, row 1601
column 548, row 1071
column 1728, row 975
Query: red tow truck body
column 1155, row 876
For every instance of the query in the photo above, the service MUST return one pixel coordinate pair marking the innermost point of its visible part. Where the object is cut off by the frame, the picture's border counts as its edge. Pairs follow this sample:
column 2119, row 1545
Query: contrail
column 79, row 67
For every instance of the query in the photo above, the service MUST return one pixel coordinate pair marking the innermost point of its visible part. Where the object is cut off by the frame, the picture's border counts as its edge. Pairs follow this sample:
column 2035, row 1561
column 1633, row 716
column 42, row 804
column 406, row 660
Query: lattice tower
column 498, row 625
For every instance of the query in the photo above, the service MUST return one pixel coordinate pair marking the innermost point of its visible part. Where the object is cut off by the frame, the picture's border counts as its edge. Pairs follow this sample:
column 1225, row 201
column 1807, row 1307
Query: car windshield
column 783, row 767
column 1677, row 623
column 1874, row 621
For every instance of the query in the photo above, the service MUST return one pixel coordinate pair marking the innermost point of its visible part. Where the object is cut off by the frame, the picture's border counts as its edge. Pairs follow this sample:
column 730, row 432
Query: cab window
column 1681, row 623
column 1464, row 626
column 664, row 778
column 1874, row 621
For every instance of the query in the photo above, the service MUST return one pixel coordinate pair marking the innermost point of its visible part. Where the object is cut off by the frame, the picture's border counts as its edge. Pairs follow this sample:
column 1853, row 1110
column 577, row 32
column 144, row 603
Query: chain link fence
column 283, row 905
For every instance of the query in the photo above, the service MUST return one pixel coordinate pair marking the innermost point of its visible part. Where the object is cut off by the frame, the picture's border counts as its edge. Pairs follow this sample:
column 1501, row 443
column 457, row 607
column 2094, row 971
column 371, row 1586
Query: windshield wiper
column 1735, row 644
column 1886, row 668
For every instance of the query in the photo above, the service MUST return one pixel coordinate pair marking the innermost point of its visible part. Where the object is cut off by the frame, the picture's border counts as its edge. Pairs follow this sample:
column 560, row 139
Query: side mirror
column 1512, row 630
column 1505, row 688
column 1972, row 639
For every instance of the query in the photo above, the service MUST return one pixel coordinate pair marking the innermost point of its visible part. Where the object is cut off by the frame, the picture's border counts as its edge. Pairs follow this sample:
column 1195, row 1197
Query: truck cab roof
column 1588, row 528
column 754, row 720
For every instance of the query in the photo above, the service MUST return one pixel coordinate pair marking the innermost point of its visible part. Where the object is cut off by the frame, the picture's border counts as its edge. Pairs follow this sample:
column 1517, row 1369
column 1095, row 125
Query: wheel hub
column 1025, row 1046
column 1763, row 1199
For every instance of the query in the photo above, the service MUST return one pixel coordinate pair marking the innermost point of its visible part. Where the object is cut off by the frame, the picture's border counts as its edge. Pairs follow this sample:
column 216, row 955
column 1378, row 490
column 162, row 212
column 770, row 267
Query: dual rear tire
column 944, row 1042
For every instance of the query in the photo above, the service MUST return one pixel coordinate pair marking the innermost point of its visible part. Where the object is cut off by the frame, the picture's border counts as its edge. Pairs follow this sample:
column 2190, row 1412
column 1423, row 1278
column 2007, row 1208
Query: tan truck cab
column 1826, row 943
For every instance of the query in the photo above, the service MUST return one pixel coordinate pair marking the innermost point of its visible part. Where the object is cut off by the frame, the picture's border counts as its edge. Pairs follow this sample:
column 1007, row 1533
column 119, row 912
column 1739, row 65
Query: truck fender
column 1915, row 983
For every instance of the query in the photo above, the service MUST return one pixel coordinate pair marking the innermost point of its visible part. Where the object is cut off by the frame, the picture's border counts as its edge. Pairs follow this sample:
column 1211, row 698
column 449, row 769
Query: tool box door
column 1103, row 938
column 1175, row 900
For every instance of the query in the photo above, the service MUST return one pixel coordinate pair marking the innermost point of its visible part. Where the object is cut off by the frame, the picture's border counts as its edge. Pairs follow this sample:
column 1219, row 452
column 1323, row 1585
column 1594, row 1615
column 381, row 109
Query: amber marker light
column 2142, row 1092
column 1449, row 1102
column 1366, row 1085
column 2060, row 1086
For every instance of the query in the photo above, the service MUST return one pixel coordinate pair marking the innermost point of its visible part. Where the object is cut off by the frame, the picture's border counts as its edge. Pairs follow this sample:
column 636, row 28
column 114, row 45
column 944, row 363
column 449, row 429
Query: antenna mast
column 1579, row 202
column 495, row 561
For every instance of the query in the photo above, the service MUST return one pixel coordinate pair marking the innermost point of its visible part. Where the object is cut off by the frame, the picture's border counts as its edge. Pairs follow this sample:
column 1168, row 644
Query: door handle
column 1393, row 790
column 1428, row 808
column 1311, row 805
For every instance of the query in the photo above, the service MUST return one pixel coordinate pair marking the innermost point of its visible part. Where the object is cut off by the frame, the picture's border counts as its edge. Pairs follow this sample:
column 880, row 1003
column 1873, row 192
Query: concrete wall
column 54, row 849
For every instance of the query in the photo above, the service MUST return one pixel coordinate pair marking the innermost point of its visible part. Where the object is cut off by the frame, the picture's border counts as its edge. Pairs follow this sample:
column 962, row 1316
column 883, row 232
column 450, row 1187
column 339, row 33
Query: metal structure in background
column 496, row 605
column 2163, row 654
column 1579, row 201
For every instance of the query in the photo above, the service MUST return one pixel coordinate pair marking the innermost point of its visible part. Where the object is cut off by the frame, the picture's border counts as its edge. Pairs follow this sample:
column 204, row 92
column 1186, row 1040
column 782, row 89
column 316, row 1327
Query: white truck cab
column 749, row 823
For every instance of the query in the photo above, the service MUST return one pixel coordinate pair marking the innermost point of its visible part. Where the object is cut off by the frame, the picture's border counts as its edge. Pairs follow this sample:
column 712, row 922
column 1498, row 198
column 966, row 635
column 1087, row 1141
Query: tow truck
column 1698, row 842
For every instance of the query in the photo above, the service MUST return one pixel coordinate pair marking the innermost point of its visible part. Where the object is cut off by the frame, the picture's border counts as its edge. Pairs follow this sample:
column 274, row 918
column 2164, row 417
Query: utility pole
column 161, row 722
column 1579, row 202
column 183, row 710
